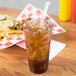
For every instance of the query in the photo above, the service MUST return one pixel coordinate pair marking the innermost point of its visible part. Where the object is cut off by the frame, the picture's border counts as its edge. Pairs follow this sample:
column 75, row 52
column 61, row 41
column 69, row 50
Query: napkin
column 55, row 47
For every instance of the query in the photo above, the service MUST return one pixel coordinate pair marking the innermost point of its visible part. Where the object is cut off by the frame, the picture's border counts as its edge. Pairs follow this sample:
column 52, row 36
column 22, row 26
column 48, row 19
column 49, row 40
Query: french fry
column 6, row 32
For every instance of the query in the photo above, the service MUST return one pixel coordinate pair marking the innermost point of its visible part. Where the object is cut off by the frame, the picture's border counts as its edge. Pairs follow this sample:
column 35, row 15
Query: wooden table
column 13, row 60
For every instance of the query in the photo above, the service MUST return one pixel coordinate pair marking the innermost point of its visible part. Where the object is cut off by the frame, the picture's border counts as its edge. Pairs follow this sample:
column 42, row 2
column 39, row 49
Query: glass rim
column 24, row 25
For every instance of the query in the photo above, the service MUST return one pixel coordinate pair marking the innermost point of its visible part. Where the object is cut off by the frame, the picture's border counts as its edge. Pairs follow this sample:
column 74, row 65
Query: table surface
column 13, row 60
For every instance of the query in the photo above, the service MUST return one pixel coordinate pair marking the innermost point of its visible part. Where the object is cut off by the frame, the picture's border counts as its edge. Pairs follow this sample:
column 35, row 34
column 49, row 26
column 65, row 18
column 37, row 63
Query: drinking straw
column 45, row 11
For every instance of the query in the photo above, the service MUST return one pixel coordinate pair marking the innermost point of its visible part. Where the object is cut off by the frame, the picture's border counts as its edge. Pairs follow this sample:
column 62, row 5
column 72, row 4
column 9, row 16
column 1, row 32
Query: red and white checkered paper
column 33, row 12
column 7, row 42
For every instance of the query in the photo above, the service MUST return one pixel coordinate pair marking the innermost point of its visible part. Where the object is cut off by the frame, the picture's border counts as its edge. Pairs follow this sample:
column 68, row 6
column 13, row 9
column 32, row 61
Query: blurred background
column 20, row 4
